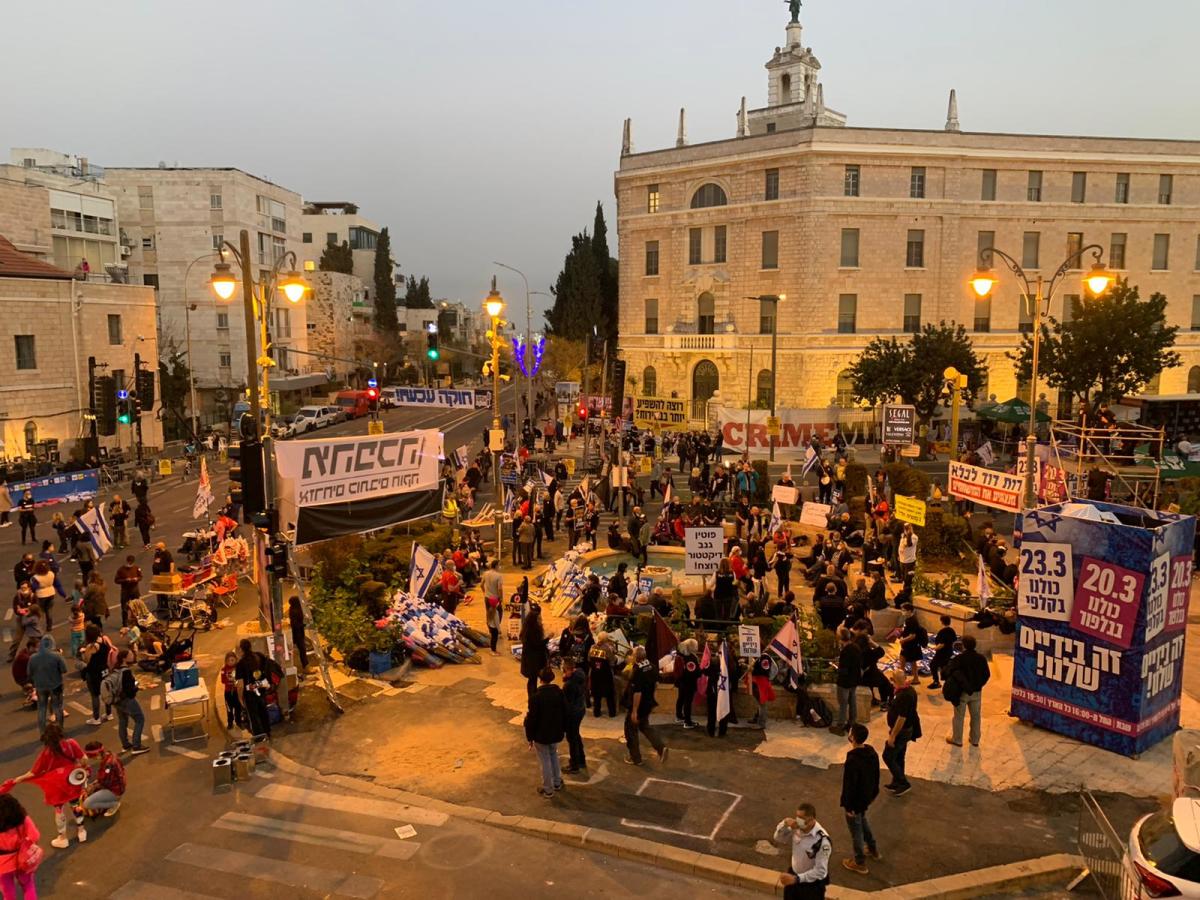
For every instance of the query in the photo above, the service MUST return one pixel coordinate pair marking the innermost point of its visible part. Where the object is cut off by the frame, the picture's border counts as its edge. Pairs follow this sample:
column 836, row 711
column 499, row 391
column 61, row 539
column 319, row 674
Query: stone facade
column 688, row 313
column 69, row 321
column 338, row 321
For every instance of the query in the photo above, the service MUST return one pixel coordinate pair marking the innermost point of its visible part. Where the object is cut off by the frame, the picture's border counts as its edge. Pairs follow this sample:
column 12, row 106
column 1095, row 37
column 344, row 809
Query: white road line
column 381, row 809
column 144, row 890
column 184, row 751
column 288, row 872
column 699, row 787
column 332, row 838
column 79, row 707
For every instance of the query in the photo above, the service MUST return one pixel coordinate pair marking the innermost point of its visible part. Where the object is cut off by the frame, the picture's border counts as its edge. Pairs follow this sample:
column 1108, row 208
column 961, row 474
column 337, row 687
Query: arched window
column 30, row 437
column 785, row 88
column 649, row 382
column 764, row 389
column 708, row 195
column 706, row 313
column 1194, row 380
column 845, row 389
column 705, row 381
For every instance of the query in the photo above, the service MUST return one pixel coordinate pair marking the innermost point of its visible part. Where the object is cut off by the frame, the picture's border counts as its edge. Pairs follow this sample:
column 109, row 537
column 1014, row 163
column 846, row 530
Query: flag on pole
column 426, row 570
column 94, row 527
column 786, row 646
column 810, row 459
column 660, row 641
column 776, row 519
column 510, row 503
column 668, row 497
column 984, row 585
column 705, row 662
column 547, row 478
column 204, row 494
column 724, row 685
column 585, row 486
column 788, row 471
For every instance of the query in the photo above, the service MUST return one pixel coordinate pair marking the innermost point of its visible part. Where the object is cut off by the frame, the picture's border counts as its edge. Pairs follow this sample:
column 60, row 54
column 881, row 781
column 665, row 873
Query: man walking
column 545, row 725
column 47, row 670
column 637, row 714
column 808, row 873
column 849, row 676
column 123, row 687
column 129, row 577
column 904, row 726
column 860, row 787
column 575, row 694
column 965, row 676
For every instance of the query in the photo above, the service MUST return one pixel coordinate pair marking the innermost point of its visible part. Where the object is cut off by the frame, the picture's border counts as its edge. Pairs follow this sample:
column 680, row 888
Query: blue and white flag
column 786, row 646
column 724, row 685
column 510, row 502
column 810, row 459
column 776, row 519
column 426, row 570
column 95, row 527
column 547, row 478
column 667, row 498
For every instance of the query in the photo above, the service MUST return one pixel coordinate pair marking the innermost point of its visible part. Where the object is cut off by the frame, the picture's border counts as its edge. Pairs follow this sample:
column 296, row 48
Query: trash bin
column 244, row 766
column 222, row 772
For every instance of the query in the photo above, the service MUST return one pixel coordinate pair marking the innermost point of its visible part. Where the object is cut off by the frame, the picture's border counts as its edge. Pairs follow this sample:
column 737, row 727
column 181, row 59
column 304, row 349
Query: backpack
column 110, row 688
column 814, row 711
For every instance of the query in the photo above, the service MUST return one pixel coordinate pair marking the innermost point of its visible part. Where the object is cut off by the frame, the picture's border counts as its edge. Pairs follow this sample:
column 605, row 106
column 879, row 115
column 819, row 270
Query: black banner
column 321, row 523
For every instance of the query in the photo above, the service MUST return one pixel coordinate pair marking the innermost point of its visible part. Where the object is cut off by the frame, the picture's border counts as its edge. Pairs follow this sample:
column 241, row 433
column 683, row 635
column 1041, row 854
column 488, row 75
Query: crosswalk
column 288, row 839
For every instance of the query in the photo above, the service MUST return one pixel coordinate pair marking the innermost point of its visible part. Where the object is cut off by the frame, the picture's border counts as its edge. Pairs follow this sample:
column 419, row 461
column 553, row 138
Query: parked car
column 1164, row 850
column 336, row 414
column 310, row 418
column 355, row 403
column 284, row 427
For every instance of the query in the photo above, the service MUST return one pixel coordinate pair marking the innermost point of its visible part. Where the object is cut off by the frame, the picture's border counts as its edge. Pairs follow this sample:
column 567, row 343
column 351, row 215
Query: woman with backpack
column 119, row 689
column 20, row 853
column 99, row 654
column 53, row 770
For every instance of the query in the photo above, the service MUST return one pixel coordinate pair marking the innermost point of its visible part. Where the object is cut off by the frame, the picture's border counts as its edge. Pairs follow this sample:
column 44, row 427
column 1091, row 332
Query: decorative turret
column 627, row 138
column 952, row 112
column 681, row 137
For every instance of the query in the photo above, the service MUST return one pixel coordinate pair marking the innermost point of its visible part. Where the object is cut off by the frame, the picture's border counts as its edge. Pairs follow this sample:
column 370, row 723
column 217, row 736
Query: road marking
column 144, row 890
column 156, row 732
column 184, row 751
column 380, row 809
column 292, row 874
column 79, row 708
column 156, row 702
column 332, row 838
column 698, row 787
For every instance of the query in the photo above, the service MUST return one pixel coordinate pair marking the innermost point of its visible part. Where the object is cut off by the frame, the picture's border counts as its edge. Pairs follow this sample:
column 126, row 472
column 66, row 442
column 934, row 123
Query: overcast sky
column 487, row 131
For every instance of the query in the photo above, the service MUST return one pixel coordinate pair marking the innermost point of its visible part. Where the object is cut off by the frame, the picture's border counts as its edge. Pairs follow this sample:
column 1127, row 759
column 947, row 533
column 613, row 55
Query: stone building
column 339, row 322
column 52, row 324
column 871, row 232
column 326, row 223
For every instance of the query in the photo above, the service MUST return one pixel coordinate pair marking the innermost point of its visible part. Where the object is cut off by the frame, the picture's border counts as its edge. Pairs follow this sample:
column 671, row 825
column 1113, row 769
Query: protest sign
column 1046, row 587
column 815, row 514
column 910, row 509
column 999, row 490
column 702, row 547
column 749, row 641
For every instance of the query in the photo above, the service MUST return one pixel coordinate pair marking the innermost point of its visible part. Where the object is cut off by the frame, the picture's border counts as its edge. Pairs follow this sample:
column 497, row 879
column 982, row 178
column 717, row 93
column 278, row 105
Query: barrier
column 1103, row 852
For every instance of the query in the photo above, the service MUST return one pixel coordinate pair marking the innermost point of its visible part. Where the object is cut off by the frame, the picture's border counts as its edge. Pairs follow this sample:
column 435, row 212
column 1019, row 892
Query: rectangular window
column 1074, row 248
column 214, row 201
column 850, row 185
column 114, row 330
column 224, row 360
column 148, row 243
column 987, row 189
column 278, row 224
column 1116, row 251
column 145, row 197
column 914, row 257
column 1024, row 316
column 651, row 316
column 222, row 321
column 1162, row 251
column 849, row 248
column 766, row 315
column 770, row 249
column 218, row 240
column 1071, row 306
column 1197, row 265
column 916, row 182
column 1033, row 192
column 651, row 257
column 983, row 314
column 770, row 128
column 331, row 239
column 771, row 185
column 283, row 322
column 847, row 313
column 984, row 241
column 652, row 198
column 1078, row 187
column 1122, row 192
column 1031, row 247
column 150, row 279
column 912, row 313
column 1195, row 312
column 1165, row 184
column 26, row 354
column 695, row 246
column 719, row 238
column 306, row 237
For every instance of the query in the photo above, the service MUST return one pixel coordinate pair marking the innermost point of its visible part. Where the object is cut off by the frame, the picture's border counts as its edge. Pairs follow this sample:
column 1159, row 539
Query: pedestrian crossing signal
column 124, row 411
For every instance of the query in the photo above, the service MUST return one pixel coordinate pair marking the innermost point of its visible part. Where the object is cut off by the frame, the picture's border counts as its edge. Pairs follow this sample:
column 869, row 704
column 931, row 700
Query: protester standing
column 849, row 676
column 27, row 518
column 296, row 622
column 943, row 650
column 129, row 579
column 575, row 695
column 600, row 660
column 860, row 787
column 47, row 670
column 545, row 726
column 60, row 755
column 123, row 687
column 687, row 676
column 534, row 655
column 808, row 873
column 118, row 514
column 641, row 703
column 6, row 504
column 253, row 682
column 17, row 835
column 965, row 677
column 493, row 592
column 904, row 727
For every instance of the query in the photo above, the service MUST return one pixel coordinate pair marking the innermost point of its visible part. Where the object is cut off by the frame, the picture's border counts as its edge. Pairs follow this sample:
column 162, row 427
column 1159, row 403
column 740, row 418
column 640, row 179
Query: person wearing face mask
column 808, row 874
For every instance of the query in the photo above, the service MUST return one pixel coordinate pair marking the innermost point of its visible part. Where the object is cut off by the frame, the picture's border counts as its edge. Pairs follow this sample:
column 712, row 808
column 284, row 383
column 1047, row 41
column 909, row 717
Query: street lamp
column 1035, row 293
column 528, row 336
column 774, row 300
column 494, row 306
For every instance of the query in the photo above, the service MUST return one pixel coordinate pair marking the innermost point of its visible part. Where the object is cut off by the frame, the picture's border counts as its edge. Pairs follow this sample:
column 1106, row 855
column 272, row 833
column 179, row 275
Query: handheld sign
column 702, row 547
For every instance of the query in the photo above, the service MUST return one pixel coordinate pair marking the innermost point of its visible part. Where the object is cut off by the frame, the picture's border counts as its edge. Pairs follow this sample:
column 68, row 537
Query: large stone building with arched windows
column 870, row 232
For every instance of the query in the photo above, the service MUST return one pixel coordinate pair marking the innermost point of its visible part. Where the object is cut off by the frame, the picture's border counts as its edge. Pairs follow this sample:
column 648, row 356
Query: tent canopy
column 1014, row 412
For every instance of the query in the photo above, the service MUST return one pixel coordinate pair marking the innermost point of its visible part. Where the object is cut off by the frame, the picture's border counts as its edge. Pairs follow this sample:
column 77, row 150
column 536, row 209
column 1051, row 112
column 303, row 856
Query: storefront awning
column 298, row 382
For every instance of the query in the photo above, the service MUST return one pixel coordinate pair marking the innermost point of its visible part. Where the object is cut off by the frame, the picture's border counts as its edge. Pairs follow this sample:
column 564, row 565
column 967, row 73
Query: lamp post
column 528, row 337
column 956, row 381
column 1035, row 293
column 494, row 306
column 256, row 304
column 774, row 300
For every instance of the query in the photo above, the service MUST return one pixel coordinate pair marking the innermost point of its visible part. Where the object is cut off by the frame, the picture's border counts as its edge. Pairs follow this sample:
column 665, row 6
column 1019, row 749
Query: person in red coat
column 61, row 771
column 761, row 689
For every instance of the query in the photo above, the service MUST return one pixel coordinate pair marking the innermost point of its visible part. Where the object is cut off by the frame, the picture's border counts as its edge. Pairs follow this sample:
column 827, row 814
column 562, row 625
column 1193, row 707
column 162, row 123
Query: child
column 77, row 627
column 60, row 528
column 233, row 706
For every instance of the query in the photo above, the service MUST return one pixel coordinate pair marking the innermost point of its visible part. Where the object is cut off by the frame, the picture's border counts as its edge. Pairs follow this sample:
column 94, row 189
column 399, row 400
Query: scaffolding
column 1129, row 453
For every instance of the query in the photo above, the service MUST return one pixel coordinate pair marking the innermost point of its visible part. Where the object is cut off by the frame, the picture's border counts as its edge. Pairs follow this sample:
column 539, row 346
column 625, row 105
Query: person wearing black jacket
column 849, row 676
column 965, row 676
column 687, row 676
column 872, row 654
column 904, row 727
column 127, row 705
column 638, row 708
column 534, row 656
column 860, row 787
column 545, row 726
column 589, row 603
column 575, row 695
column 877, row 596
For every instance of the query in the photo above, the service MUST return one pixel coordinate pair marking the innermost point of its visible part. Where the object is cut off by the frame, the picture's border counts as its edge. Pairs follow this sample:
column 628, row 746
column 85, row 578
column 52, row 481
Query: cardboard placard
column 703, row 548
column 781, row 493
column 749, row 641
column 910, row 509
column 815, row 514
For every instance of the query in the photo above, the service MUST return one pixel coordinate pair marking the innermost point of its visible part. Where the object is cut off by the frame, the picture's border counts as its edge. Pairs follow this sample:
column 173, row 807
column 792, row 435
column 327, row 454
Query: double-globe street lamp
column 256, row 300
column 1037, row 292
column 493, row 305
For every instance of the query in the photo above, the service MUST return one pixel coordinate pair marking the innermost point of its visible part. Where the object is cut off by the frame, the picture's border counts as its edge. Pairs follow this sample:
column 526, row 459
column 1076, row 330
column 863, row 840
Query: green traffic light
column 124, row 418
column 432, row 353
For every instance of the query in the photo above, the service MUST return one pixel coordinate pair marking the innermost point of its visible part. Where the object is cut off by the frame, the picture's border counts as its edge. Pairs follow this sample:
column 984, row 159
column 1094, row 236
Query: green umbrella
column 1014, row 412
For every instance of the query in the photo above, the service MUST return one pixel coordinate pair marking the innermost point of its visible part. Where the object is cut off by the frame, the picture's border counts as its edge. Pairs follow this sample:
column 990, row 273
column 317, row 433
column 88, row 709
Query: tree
column 385, row 285
column 913, row 370
column 607, row 267
column 578, row 294
column 174, row 389
column 1113, row 346
column 416, row 294
column 337, row 258
column 564, row 358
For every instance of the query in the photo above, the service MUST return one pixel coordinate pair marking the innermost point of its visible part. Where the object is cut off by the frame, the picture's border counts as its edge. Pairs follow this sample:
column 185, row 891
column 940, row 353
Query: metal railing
column 1103, row 852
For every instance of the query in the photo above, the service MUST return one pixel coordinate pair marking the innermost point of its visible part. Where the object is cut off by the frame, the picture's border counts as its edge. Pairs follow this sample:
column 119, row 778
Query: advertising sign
column 62, row 487
column 910, row 509
column 749, row 641
column 1110, row 674
column 703, row 547
column 999, row 490
column 899, row 424
column 665, row 413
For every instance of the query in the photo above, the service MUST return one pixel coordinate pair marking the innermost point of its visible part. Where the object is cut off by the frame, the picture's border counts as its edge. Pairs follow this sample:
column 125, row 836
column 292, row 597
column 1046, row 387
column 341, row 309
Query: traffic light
column 104, row 399
column 581, row 412
column 431, row 340
column 145, row 388
column 373, row 396
column 124, row 410
column 247, row 482
column 277, row 559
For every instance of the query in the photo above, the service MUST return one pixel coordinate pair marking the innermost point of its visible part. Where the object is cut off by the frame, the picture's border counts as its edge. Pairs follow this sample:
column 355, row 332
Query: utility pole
column 93, row 434
column 137, row 403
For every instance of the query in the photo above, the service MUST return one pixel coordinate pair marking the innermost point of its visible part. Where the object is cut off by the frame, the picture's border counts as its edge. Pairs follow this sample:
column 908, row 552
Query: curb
column 1059, row 867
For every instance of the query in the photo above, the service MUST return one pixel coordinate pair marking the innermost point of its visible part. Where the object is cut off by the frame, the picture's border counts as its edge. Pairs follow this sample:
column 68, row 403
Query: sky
column 483, row 132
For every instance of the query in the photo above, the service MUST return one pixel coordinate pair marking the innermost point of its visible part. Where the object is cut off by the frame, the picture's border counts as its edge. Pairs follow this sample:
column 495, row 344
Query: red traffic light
column 372, row 393
column 582, row 411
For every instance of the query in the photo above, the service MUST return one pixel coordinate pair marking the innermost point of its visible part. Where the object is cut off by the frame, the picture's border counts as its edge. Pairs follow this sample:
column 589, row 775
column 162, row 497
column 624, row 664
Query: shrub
column 856, row 479
column 944, row 534
column 907, row 480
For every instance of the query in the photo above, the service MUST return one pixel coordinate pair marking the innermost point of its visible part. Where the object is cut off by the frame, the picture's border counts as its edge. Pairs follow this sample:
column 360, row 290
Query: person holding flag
column 719, row 690
column 424, row 573
column 96, row 533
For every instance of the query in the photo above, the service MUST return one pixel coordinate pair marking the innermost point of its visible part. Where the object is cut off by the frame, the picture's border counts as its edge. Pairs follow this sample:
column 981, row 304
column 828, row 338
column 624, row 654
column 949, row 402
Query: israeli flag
column 93, row 524
column 426, row 570
column 776, row 519
column 810, row 460
column 547, row 478
column 510, row 502
column 724, row 685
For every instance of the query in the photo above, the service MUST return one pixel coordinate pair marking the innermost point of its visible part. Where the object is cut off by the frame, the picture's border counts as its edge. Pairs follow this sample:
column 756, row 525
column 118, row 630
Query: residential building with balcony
column 874, row 232
column 326, row 223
